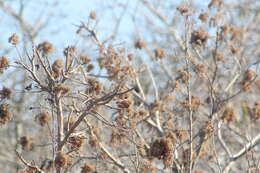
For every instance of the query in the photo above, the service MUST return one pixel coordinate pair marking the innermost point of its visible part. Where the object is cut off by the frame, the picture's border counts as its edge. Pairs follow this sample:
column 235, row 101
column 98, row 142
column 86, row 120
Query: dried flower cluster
column 43, row 118
column 14, row 39
column 159, row 53
column 147, row 167
column 61, row 89
column 4, row 63
column 94, row 86
column 86, row 168
column 45, row 47
column 183, row 76
column 140, row 44
column 57, row 67
column 162, row 149
column 76, row 142
column 26, row 142
column 199, row 37
column 69, row 51
column 5, row 93
column 195, row 103
column 228, row 115
column 62, row 160
column 5, row 114
column 204, row 17
column 93, row 15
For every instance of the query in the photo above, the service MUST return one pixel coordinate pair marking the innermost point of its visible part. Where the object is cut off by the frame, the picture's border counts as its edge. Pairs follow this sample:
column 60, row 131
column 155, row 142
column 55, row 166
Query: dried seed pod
column 14, row 39
column 86, row 168
column 61, row 160
column 57, row 65
column 140, row 44
column 162, row 148
column 76, row 142
column 93, row 15
column 5, row 114
column 228, row 115
column 5, row 93
column 199, row 37
column 204, row 17
column 4, row 63
column 45, row 47
column 159, row 53
column 61, row 89
column 26, row 142
column 43, row 118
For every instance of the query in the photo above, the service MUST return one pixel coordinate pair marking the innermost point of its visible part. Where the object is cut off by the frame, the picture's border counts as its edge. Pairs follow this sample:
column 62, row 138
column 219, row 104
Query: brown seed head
column 69, row 51
column 140, row 44
column 162, row 148
column 93, row 15
column 4, row 63
column 45, row 47
column 43, row 118
column 228, row 115
column 61, row 160
column 184, row 10
column 199, row 37
column 204, row 17
column 76, row 142
column 61, row 89
column 195, row 103
column 159, row 53
column 5, row 93
column 86, row 168
column 14, row 39
column 90, row 67
column 84, row 59
column 57, row 65
column 249, row 75
column 26, row 142
column 5, row 114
